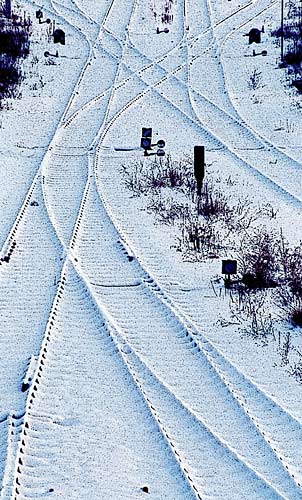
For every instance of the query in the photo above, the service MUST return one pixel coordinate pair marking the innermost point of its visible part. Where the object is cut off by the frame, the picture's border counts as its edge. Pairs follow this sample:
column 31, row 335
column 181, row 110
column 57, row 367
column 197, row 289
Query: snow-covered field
column 118, row 378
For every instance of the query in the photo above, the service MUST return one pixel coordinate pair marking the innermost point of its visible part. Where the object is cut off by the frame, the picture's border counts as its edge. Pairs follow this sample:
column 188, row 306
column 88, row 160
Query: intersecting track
column 32, row 261
column 126, row 391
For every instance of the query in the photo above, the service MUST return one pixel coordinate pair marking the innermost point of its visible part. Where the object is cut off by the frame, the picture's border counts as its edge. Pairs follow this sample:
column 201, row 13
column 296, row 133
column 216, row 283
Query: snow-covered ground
column 119, row 379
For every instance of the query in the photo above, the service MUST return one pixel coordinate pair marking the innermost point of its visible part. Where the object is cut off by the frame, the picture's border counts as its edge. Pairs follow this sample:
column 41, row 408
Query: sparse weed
column 249, row 309
column 268, row 290
column 212, row 202
column 257, row 258
column 167, row 210
column 143, row 177
column 255, row 79
column 201, row 239
column 296, row 371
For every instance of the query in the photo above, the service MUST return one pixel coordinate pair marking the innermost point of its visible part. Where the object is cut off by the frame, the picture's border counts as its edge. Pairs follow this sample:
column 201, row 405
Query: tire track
column 78, row 228
column 118, row 299
column 271, row 176
column 188, row 430
column 77, row 133
column 44, row 412
column 8, row 249
column 271, row 418
column 34, row 183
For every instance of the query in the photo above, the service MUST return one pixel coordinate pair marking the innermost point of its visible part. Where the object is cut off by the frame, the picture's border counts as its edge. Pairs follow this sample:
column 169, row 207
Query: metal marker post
column 199, row 167
column 282, row 29
column 228, row 267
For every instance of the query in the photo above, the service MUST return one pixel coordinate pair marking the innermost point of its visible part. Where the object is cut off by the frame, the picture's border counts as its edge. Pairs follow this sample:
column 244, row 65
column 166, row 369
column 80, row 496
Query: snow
column 134, row 379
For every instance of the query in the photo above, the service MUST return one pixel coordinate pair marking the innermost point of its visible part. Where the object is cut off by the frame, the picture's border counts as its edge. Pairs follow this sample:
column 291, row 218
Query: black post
column 228, row 281
column 199, row 164
column 282, row 29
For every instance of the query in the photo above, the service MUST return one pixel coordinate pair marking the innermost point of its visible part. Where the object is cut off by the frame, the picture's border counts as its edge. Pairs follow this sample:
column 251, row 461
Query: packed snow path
column 111, row 386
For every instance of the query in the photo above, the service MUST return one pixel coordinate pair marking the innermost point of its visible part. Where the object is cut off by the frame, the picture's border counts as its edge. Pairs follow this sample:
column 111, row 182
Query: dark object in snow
column 160, row 143
column 298, row 85
column 254, row 36
column 257, row 281
column 51, row 490
column 251, row 281
column 297, row 317
column 229, row 266
column 25, row 387
column 199, row 164
column 59, row 36
column 146, row 143
column 146, row 138
column 34, row 204
column 165, row 30
column 263, row 53
column 47, row 54
column 39, row 15
column 145, row 489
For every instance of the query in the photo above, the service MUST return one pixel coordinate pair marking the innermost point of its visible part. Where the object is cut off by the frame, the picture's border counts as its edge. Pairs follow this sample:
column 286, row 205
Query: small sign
column 145, row 143
column 39, row 14
column 229, row 266
column 146, row 138
column 161, row 143
column 160, row 152
column 147, row 132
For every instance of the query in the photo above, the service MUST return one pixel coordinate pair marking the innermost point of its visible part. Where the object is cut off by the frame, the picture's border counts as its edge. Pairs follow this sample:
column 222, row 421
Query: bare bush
column 289, row 296
column 257, row 257
column 168, row 173
column 243, row 215
column 168, row 210
column 284, row 349
column 292, row 262
column 290, row 304
column 296, row 371
column 292, row 34
column 134, row 177
column 201, row 239
column 255, row 79
column 212, row 202
column 142, row 177
column 249, row 309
